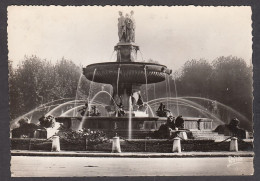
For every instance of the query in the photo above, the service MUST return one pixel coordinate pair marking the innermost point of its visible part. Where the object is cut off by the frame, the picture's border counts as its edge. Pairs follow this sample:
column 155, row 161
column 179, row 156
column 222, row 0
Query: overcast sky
column 169, row 35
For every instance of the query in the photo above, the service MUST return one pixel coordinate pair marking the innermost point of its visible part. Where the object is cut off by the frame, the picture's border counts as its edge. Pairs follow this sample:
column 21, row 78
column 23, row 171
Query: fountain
column 127, row 112
column 126, row 76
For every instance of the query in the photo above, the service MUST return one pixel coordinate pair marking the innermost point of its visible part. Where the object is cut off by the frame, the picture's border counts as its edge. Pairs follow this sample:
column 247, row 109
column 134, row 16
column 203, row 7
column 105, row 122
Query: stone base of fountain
column 142, row 127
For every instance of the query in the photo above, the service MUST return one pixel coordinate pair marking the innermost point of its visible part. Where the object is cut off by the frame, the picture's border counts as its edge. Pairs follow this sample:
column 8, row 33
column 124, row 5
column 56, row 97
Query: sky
column 169, row 35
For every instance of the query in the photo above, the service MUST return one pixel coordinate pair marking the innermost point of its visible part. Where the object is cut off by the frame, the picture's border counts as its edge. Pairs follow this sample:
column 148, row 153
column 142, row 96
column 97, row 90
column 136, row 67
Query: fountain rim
column 99, row 118
column 126, row 63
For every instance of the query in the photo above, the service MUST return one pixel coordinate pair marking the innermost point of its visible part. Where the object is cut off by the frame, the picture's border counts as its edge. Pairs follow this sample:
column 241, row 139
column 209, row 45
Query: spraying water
column 100, row 92
column 150, row 109
column 117, row 81
column 223, row 105
column 190, row 104
column 55, row 111
column 154, row 95
column 141, row 55
column 169, row 86
column 146, row 89
column 130, row 120
column 166, row 92
column 176, row 95
column 91, row 103
column 201, row 108
column 76, row 97
column 112, row 55
column 90, row 88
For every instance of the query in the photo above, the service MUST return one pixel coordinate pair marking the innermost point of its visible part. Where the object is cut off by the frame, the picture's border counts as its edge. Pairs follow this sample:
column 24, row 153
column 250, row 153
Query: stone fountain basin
column 130, row 72
column 110, row 123
column 141, row 126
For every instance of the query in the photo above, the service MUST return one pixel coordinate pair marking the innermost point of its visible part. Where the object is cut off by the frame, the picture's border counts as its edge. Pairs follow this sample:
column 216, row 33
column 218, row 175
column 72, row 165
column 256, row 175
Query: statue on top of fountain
column 126, row 27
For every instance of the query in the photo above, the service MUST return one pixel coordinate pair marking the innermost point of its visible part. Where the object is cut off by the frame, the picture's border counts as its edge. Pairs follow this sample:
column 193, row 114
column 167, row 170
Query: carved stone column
column 126, row 52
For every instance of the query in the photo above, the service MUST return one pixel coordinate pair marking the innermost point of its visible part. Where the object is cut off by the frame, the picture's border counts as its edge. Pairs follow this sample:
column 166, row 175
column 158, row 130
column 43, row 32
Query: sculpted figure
column 128, row 23
column 126, row 27
column 133, row 27
column 121, row 27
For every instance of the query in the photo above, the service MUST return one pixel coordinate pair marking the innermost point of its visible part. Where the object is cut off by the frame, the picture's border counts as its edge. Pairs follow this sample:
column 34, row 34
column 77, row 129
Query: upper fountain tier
column 126, row 72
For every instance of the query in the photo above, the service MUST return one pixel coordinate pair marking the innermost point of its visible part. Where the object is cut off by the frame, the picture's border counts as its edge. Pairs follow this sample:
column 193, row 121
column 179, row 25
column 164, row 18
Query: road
column 35, row 166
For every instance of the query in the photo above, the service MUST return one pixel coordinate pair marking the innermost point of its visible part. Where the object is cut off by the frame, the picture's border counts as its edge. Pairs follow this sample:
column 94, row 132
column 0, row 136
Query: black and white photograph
column 112, row 91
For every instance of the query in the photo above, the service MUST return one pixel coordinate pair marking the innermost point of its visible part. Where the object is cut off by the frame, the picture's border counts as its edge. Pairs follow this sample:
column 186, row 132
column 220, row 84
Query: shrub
column 92, row 137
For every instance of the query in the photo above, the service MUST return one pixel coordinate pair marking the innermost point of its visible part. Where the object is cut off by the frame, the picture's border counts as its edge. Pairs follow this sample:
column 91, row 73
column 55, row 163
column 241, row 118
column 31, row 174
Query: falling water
column 76, row 97
column 202, row 108
column 49, row 107
column 223, row 105
column 39, row 108
column 91, row 103
column 30, row 119
column 33, row 115
column 188, row 103
column 145, row 74
column 112, row 55
column 54, row 111
column 141, row 55
column 98, row 93
column 130, row 120
column 68, row 112
column 167, row 97
column 176, row 95
column 154, row 95
column 169, row 85
column 117, row 81
column 90, row 87
column 151, row 110
column 111, row 92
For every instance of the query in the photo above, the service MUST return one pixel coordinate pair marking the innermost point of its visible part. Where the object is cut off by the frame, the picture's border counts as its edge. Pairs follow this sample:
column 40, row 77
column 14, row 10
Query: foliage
column 36, row 81
column 195, row 78
column 227, row 80
column 92, row 137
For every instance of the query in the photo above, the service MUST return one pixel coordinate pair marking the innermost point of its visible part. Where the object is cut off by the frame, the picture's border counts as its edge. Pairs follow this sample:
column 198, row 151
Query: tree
column 194, row 79
column 233, row 84
column 37, row 81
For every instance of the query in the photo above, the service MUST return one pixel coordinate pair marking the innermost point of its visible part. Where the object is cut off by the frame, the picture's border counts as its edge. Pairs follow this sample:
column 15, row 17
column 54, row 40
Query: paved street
column 37, row 166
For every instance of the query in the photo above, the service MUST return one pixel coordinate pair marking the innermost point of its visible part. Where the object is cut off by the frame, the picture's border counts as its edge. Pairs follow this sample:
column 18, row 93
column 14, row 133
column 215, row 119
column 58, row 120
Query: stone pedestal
column 183, row 135
column 176, row 145
column 55, row 144
column 126, row 52
column 116, row 145
column 233, row 144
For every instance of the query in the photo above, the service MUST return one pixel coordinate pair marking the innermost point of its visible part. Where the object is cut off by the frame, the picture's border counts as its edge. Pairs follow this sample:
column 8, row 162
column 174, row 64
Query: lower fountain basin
column 141, row 126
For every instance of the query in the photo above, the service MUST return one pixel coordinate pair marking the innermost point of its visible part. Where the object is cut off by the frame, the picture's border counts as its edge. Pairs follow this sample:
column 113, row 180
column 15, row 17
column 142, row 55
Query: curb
column 133, row 155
